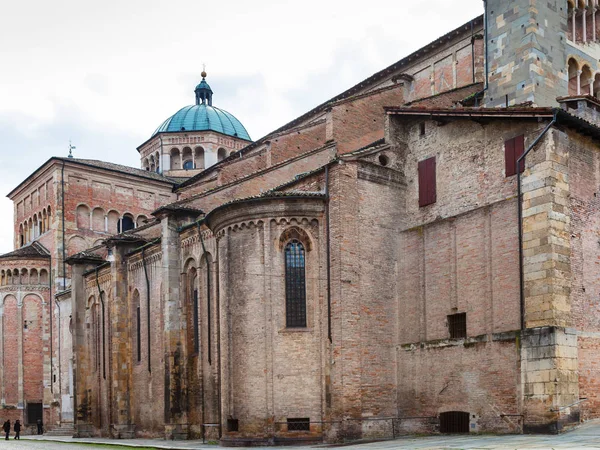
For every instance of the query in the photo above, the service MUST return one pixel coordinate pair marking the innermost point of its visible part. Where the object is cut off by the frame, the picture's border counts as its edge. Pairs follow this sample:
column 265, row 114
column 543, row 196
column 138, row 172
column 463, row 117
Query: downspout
column 473, row 51
column 52, row 334
column 103, row 327
column 328, row 254
column 486, row 62
column 62, row 188
column 520, row 161
column 147, row 305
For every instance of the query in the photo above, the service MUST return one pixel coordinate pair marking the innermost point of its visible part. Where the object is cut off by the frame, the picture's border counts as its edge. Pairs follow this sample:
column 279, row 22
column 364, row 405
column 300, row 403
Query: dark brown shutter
column 427, row 182
column 513, row 150
column 509, row 158
column 519, row 150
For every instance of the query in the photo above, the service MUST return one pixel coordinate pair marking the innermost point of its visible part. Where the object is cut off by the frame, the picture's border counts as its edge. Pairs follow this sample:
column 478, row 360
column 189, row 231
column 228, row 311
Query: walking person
column 40, row 426
column 6, row 428
column 18, row 430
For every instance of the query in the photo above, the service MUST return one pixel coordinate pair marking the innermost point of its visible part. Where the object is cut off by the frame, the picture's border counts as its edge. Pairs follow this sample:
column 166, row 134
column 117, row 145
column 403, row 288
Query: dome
column 203, row 116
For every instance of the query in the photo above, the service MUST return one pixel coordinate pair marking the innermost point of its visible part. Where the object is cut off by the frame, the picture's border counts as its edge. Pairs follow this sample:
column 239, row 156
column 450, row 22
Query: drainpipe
column 147, row 306
column 103, row 327
column 520, row 161
column 486, row 59
column 473, row 51
column 328, row 254
column 62, row 188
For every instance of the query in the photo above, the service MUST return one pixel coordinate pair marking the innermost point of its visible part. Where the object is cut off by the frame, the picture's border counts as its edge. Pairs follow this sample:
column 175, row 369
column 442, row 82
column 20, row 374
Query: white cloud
column 106, row 74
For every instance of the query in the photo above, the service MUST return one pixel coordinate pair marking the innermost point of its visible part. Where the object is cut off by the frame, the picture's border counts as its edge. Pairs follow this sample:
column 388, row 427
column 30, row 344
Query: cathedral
column 417, row 254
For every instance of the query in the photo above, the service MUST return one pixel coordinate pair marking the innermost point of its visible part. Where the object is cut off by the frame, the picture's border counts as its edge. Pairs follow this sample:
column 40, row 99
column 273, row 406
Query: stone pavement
column 587, row 436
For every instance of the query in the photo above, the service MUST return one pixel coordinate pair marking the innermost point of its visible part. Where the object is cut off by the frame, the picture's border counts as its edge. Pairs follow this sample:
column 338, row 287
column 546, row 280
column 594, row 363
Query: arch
column 146, row 164
column 2, row 277
column 221, row 154
column 36, row 226
column 187, row 158
column 295, row 233
column 573, row 67
column 157, row 160
column 98, row 220
column 44, row 221
column 9, row 279
column 43, row 276
column 596, row 85
column 31, row 230
column 152, row 164
column 199, row 157
column 83, row 217
column 75, row 245
column 49, row 217
column 112, row 219
column 193, row 303
column 587, row 80
column 34, row 277
column 21, row 236
column 24, row 276
column 295, row 285
column 175, row 159
column 141, row 220
column 232, row 153
column 127, row 223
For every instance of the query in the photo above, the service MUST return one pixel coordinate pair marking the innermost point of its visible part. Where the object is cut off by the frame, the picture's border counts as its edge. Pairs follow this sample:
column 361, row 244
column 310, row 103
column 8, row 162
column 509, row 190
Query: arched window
column 188, row 165
column 295, row 285
column 127, row 223
column 221, row 154
column 199, row 157
column 137, row 324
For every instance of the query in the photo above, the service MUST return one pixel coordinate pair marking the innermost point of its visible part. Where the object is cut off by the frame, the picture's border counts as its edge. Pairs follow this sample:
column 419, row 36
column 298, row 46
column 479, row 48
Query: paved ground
column 585, row 437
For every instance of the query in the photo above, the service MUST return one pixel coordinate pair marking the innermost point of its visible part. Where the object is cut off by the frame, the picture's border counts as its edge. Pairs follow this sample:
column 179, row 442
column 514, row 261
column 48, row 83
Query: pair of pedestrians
column 17, row 428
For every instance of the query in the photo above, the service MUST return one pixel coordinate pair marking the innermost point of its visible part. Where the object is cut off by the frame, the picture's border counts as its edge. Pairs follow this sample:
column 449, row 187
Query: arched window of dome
column 295, row 285
column 126, row 223
column 175, row 159
column 152, row 164
column 586, row 80
column 187, row 158
column 146, row 164
column 141, row 221
column 157, row 160
column 199, row 157
column 221, row 154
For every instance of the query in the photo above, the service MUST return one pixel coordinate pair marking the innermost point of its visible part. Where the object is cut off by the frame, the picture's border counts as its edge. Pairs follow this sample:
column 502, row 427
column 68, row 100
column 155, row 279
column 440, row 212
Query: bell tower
column 526, row 46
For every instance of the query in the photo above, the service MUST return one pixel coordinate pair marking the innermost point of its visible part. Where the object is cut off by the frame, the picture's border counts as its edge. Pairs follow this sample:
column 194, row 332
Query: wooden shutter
column 513, row 150
column 427, row 182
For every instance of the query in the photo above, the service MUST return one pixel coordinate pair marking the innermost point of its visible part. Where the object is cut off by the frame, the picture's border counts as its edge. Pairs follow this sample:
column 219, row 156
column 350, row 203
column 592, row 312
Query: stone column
column 176, row 421
column 118, row 305
column 579, row 72
column 81, row 362
column 549, row 376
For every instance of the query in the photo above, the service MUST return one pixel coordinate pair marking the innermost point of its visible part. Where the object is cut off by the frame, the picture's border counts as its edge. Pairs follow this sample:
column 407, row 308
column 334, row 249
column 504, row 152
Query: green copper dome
column 203, row 116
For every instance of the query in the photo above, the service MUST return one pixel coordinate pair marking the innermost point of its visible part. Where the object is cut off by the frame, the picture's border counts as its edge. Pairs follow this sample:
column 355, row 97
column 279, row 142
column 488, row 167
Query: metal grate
column 233, row 425
column 298, row 424
column 295, row 285
column 457, row 325
column 454, row 422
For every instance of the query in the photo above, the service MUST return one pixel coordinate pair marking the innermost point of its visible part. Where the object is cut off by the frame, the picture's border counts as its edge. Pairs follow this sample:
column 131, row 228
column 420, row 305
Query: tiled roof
column 33, row 250
column 119, row 168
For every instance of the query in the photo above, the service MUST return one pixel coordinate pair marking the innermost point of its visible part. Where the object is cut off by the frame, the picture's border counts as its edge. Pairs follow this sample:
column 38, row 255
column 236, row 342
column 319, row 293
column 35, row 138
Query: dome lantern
column 203, row 92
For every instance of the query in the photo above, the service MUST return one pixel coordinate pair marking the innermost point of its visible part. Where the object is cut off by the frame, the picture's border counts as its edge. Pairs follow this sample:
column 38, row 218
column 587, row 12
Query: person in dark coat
column 40, row 426
column 6, row 428
column 18, row 430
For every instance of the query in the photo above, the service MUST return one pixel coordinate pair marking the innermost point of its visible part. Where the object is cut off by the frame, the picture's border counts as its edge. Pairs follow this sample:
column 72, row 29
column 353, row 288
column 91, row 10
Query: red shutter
column 423, row 183
column 509, row 158
column 519, row 150
column 427, row 182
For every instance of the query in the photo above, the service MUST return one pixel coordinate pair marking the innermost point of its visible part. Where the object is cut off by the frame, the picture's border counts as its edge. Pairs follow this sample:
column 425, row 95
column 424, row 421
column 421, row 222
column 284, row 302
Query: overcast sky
column 106, row 73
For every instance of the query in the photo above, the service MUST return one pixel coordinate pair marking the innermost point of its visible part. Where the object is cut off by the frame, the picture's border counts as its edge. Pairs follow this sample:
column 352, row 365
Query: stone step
column 63, row 430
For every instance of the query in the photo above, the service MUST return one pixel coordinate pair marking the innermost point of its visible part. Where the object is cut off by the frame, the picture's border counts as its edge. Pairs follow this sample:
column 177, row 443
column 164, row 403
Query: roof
column 204, row 117
column 34, row 250
column 131, row 171
column 378, row 76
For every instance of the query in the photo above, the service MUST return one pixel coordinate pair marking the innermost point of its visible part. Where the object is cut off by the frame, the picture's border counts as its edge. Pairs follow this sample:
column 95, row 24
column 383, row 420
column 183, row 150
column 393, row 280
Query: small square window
column 457, row 325
column 233, row 425
column 298, row 424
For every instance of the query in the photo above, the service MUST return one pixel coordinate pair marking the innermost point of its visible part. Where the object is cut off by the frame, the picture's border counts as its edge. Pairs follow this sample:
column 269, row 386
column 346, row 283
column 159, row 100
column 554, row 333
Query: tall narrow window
column 138, row 332
column 295, row 285
column 196, row 323
column 513, row 150
column 427, row 182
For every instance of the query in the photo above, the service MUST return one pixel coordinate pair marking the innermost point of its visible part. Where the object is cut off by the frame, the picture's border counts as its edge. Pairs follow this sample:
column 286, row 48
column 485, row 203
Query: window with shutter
column 427, row 182
column 513, row 150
